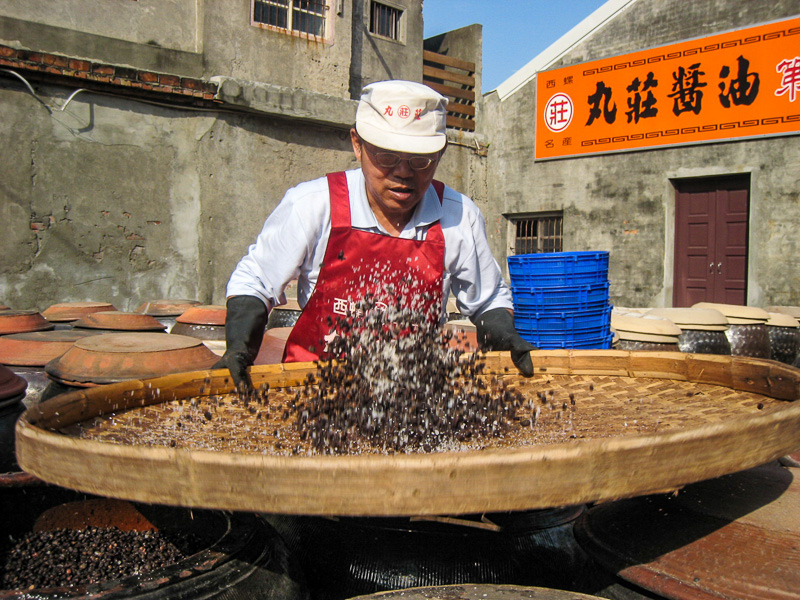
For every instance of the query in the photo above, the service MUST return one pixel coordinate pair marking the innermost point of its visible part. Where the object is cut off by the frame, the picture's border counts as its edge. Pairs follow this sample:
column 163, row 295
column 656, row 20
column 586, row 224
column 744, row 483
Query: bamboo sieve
column 644, row 422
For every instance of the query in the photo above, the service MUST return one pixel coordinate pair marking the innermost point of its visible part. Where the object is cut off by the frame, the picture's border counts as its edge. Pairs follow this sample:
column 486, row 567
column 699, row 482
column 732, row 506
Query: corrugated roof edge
column 561, row 46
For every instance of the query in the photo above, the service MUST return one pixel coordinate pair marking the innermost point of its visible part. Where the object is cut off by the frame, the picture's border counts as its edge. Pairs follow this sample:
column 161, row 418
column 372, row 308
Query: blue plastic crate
column 567, row 297
column 558, row 268
column 565, row 339
column 563, row 320
column 596, row 343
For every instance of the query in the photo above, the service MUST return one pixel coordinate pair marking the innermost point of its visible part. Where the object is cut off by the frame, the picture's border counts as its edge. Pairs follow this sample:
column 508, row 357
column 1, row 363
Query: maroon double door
column 711, row 218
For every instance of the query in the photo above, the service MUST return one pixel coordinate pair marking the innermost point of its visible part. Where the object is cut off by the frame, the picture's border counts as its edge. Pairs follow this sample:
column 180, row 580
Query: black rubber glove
column 245, row 322
column 495, row 329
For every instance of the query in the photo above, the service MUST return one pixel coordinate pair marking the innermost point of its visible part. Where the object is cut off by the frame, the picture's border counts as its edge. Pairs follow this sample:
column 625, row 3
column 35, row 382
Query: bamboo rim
column 418, row 484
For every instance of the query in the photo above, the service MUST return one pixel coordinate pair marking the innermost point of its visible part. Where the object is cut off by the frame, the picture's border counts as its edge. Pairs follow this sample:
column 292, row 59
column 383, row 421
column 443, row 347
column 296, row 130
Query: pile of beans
column 73, row 557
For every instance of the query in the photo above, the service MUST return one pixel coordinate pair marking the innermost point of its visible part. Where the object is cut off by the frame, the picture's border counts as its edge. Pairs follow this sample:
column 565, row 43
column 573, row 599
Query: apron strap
column 340, row 200
column 439, row 187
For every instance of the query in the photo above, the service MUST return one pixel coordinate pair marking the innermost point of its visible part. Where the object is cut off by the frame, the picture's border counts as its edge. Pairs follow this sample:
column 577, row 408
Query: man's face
column 394, row 190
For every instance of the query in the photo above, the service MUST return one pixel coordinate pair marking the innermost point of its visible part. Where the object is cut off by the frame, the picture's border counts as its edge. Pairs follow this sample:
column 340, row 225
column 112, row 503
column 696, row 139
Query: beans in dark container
column 73, row 557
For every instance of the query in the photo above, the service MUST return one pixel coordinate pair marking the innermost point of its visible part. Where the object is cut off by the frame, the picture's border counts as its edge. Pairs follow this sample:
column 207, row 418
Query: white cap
column 402, row 116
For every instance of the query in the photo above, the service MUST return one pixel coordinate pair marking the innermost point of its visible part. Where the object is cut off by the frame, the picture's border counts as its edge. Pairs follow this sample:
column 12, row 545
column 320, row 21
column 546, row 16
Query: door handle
column 719, row 268
column 711, row 268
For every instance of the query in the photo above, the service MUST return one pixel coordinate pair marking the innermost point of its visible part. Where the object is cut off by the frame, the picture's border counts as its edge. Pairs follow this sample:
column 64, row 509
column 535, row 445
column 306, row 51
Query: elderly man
column 371, row 229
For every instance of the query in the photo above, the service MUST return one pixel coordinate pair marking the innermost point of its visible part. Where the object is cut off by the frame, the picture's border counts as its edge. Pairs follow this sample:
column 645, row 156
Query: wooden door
column 711, row 217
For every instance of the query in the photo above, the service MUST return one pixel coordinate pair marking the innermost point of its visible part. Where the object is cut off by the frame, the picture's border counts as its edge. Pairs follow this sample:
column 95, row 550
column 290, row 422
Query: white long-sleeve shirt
column 292, row 245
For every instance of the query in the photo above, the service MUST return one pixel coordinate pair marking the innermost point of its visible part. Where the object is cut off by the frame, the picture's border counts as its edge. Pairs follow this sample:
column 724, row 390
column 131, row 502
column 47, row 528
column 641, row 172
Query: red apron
column 358, row 263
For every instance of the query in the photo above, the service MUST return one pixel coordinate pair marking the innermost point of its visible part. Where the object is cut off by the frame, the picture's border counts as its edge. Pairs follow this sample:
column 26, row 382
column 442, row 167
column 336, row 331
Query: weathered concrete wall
column 624, row 203
column 375, row 58
column 114, row 200
column 234, row 48
column 464, row 165
column 119, row 201
column 216, row 38
column 173, row 24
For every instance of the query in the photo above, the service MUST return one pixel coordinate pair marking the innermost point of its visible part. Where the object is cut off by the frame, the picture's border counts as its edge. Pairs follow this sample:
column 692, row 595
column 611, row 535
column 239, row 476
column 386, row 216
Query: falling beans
column 397, row 385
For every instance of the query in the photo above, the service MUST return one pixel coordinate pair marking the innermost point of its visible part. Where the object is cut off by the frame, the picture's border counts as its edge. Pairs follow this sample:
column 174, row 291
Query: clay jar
column 285, row 315
column 747, row 332
column 702, row 329
column 784, row 337
column 64, row 314
column 639, row 332
column 206, row 322
column 166, row 310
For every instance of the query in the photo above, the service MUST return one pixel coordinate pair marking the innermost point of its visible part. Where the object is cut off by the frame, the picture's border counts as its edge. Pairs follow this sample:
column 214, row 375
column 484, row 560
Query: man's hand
column 245, row 322
column 495, row 331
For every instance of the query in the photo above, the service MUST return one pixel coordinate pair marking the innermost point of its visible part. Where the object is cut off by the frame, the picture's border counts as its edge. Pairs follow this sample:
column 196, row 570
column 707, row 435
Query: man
column 385, row 226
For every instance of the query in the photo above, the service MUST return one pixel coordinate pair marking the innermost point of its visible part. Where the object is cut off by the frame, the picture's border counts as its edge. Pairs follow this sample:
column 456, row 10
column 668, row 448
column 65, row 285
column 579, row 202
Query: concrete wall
column 119, row 201
column 234, row 48
column 624, row 203
column 376, row 58
column 203, row 38
column 172, row 24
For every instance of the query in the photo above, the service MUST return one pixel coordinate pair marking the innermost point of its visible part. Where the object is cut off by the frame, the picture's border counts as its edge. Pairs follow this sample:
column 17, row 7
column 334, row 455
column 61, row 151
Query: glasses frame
column 389, row 160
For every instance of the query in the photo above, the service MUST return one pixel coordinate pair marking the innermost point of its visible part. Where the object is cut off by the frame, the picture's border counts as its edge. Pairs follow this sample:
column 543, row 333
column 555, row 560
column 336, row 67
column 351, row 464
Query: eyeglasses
column 388, row 160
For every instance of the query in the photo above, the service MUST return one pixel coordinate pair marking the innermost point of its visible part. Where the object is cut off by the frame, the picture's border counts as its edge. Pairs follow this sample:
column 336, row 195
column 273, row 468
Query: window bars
column 541, row 233
column 299, row 16
column 385, row 20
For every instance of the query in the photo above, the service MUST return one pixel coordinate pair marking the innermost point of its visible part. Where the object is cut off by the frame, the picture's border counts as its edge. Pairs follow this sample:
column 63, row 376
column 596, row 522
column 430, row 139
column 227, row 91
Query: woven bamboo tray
column 710, row 415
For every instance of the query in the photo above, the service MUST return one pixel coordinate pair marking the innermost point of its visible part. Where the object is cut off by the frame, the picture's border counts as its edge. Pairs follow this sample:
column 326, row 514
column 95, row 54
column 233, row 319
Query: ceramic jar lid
column 166, row 307
column 115, row 320
column 272, row 345
column 777, row 319
column 12, row 385
column 206, row 314
column 72, row 311
column 37, row 348
column 736, row 314
column 216, row 346
column 702, row 319
column 20, row 321
column 793, row 311
column 645, row 328
column 113, row 357
column 629, row 310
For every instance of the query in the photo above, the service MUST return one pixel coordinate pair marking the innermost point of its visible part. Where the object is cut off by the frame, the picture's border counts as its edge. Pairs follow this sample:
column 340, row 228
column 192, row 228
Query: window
column 538, row 233
column 301, row 16
column 384, row 20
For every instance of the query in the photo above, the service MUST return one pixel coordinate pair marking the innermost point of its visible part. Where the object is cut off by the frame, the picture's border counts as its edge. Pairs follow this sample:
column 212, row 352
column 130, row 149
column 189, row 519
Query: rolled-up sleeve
column 474, row 276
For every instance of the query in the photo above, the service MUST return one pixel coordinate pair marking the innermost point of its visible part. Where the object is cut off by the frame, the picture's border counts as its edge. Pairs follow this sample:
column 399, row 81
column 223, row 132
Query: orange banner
column 735, row 85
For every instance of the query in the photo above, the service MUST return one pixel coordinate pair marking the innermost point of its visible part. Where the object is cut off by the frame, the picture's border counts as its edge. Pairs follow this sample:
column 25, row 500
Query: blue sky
column 514, row 31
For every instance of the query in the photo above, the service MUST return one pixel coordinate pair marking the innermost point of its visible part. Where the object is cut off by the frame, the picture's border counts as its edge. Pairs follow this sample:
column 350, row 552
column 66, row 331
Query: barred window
column 301, row 16
column 541, row 232
column 385, row 20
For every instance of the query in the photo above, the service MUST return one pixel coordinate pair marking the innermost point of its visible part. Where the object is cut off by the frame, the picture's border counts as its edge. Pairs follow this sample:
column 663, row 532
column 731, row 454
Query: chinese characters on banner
column 739, row 84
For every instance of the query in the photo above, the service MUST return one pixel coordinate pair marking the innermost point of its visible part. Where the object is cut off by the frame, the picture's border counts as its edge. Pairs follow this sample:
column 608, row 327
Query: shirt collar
column 428, row 211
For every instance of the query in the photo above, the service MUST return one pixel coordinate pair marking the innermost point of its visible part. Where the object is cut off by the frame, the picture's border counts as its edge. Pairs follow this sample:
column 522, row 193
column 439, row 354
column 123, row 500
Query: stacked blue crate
column 561, row 299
